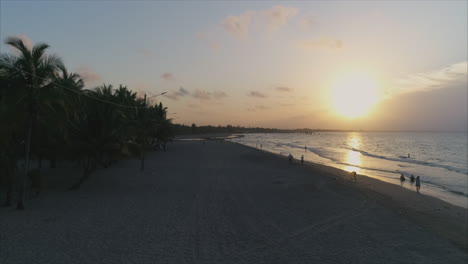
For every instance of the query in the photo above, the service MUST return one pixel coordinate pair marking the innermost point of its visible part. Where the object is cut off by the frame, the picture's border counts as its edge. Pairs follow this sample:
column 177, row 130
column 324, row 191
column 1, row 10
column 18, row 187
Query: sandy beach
column 227, row 203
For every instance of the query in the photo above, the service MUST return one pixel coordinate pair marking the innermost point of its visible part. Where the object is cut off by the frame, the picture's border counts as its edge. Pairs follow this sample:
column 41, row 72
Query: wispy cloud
column 309, row 22
column 437, row 79
column 238, row 26
column 199, row 94
column 219, row 94
column 271, row 20
column 278, row 16
column 261, row 107
column 284, row 89
column 167, row 76
column 206, row 95
column 175, row 95
column 256, row 94
column 145, row 52
column 324, row 42
column 202, row 95
column 88, row 74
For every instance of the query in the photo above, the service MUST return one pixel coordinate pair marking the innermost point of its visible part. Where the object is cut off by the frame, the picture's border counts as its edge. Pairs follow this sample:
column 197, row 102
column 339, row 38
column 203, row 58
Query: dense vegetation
column 46, row 114
column 180, row 129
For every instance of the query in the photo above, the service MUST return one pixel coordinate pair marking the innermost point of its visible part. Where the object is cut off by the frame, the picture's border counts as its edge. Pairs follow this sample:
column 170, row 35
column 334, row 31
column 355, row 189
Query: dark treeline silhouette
column 181, row 129
column 46, row 114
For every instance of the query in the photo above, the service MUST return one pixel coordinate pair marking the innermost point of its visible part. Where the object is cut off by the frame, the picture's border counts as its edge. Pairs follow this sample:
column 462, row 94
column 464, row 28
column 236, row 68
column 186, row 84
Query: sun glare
column 354, row 94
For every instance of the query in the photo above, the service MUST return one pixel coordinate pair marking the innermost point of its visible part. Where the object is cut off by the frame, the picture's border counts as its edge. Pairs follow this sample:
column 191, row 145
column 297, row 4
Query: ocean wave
column 390, row 174
column 403, row 159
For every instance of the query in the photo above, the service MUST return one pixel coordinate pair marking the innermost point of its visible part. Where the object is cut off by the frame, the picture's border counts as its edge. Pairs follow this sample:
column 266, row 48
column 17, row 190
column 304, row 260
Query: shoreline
column 442, row 217
column 438, row 191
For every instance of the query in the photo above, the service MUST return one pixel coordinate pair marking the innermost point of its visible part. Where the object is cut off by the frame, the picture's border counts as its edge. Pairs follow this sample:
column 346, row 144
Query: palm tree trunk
column 22, row 187
column 9, row 180
column 143, row 160
column 89, row 166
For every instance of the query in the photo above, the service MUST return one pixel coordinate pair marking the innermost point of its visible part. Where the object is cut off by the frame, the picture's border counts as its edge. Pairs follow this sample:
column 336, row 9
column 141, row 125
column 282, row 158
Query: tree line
column 47, row 114
column 181, row 129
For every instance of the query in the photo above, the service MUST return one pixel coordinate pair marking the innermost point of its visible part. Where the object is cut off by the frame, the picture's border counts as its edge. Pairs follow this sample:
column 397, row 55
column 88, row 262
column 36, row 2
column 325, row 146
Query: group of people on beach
column 412, row 180
column 291, row 158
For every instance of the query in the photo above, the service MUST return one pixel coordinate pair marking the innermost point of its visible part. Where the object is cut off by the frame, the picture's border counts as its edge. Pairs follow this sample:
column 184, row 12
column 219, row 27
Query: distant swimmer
column 402, row 178
column 412, row 178
column 302, row 159
column 418, row 184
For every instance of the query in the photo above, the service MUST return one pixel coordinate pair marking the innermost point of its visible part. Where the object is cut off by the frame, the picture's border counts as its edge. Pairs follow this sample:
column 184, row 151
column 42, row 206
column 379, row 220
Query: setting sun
column 354, row 94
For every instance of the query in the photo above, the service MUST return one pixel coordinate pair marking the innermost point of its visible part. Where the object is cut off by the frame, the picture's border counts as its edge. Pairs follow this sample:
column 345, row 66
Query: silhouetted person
column 418, row 184
column 290, row 158
column 302, row 159
column 354, row 176
column 305, row 148
column 261, row 146
column 409, row 156
column 402, row 178
column 412, row 178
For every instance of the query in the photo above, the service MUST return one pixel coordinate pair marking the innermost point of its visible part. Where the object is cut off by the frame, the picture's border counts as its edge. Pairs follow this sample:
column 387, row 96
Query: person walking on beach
column 305, row 148
column 402, row 178
column 418, row 184
column 290, row 158
column 412, row 178
column 302, row 159
column 354, row 176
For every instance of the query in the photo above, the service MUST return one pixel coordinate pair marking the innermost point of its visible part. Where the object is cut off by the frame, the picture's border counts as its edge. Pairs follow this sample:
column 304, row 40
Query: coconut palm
column 37, row 71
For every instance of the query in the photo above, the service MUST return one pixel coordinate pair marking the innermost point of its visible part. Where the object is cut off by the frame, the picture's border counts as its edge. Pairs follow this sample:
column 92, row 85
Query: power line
column 75, row 91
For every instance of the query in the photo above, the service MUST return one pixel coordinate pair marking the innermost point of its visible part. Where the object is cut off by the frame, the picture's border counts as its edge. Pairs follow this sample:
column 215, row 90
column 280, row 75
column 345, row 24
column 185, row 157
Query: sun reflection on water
column 353, row 157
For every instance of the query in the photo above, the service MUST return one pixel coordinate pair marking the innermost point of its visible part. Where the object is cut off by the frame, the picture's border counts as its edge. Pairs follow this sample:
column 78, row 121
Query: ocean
column 440, row 159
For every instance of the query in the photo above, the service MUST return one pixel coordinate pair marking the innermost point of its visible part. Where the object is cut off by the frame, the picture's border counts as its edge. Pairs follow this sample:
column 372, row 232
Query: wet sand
column 227, row 203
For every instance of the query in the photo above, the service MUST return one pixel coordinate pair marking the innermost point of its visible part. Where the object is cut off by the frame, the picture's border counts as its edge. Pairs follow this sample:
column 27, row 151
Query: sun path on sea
column 214, row 203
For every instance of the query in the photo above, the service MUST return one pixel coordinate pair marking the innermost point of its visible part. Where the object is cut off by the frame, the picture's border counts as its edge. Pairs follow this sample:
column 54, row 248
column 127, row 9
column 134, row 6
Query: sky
column 267, row 64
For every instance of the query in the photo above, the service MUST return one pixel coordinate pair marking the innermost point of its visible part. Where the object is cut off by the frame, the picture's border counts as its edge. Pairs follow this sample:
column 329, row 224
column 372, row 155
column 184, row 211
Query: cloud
column 274, row 18
column 256, row 94
column 284, row 89
column 175, row 95
column 278, row 16
column 167, row 76
column 431, row 80
column 202, row 95
column 308, row 23
column 219, row 94
column 145, row 52
column 324, row 42
column 88, row 74
column 26, row 41
column 205, row 95
column 238, row 26
column 193, row 106
column 257, row 108
column 197, row 94
column 261, row 107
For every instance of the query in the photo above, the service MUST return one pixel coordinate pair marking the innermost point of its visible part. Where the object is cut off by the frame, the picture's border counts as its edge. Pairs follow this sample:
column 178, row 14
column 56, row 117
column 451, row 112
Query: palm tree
column 36, row 70
column 52, row 139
